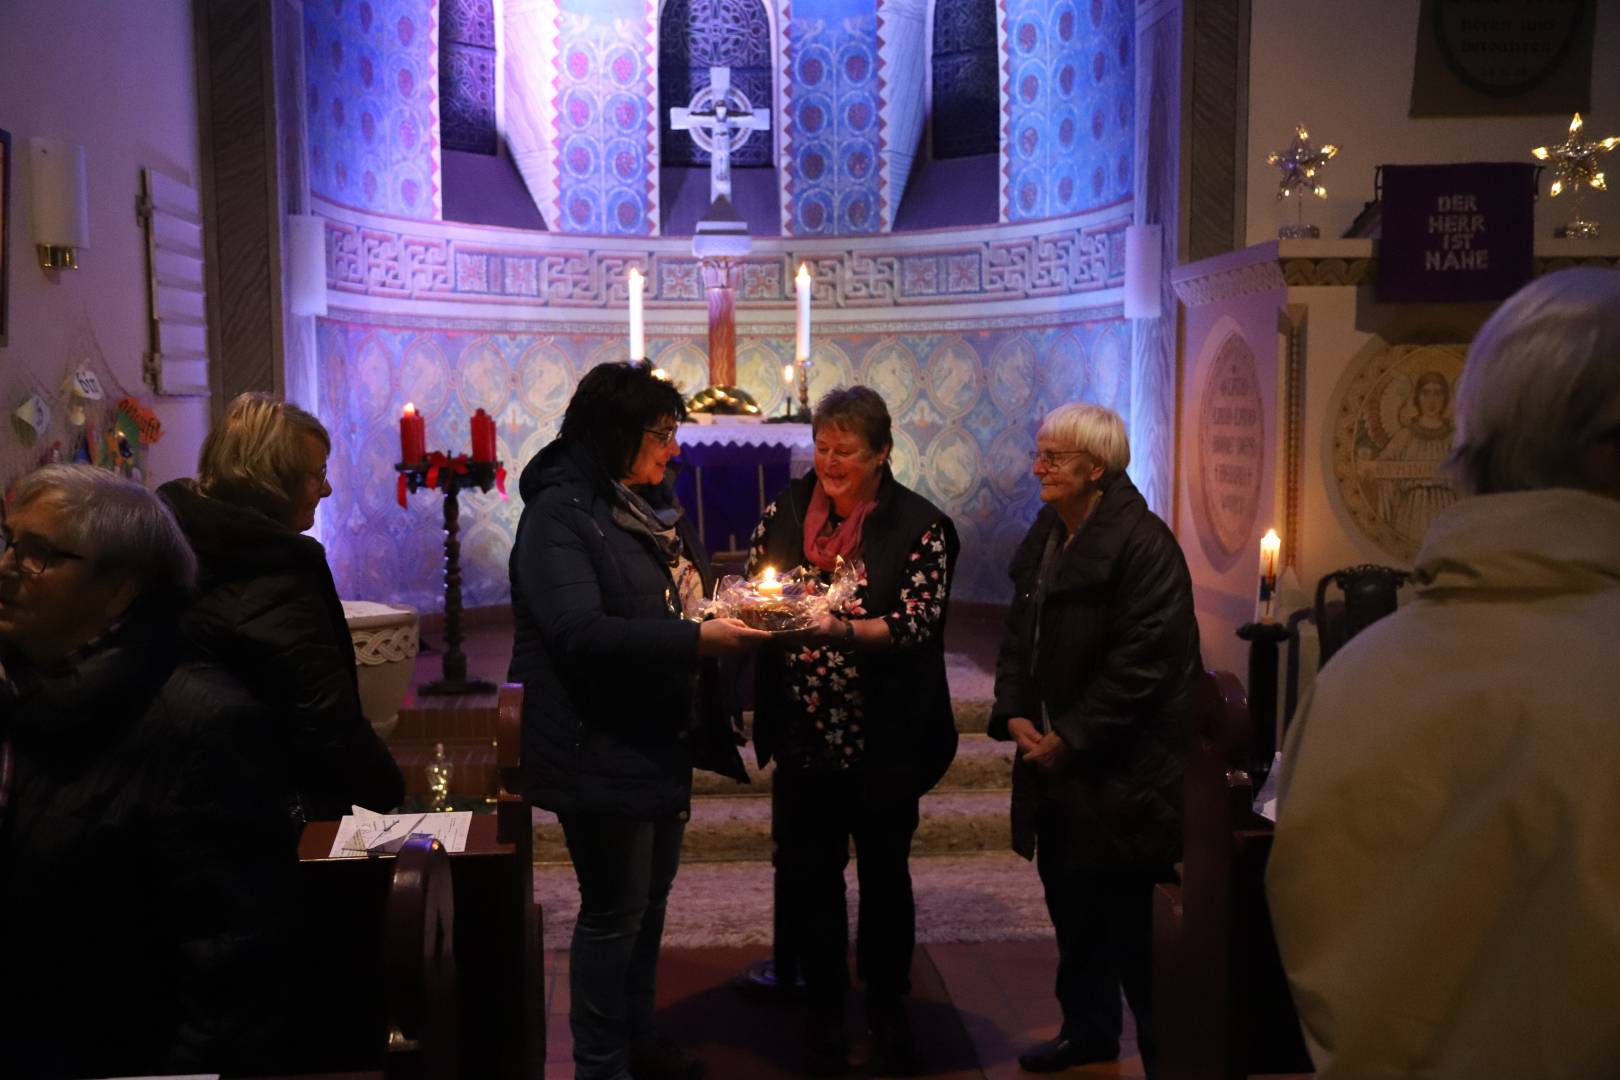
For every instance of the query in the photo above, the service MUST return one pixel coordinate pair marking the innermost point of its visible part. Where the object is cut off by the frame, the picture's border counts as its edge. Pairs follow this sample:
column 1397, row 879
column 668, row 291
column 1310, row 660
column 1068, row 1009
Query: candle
column 787, row 376
column 767, row 585
column 802, row 283
column 412, row 435
column 638, row 331
column 483, row 436
column 1270, row 547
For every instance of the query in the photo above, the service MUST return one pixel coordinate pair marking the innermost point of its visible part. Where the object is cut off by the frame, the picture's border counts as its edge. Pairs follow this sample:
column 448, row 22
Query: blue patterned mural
column 834, row 118
column 965, row 402
column 372, row 70
column 1070, row 87
column 604, row 105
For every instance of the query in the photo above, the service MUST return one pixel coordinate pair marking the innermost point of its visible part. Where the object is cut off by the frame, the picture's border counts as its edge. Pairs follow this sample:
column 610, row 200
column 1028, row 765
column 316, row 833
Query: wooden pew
column 1220, row 1001
column 420, row 965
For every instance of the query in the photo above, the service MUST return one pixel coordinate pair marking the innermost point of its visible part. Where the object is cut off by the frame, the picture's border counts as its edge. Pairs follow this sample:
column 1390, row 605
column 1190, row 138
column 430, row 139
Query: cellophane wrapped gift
column 798, row 605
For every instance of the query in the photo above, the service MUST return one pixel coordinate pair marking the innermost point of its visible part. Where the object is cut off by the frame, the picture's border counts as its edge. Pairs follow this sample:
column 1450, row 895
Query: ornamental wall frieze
column 1305, row 272
column 1245, row 280
column 376, row 261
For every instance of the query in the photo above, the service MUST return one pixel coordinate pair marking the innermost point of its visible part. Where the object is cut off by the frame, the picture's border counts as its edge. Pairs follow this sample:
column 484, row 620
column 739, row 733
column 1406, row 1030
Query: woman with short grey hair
column 145, row 861
column 267, row 606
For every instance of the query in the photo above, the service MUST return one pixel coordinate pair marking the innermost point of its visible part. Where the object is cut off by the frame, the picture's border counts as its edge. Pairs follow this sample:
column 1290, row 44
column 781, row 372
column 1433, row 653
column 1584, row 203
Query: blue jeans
column 625, row 869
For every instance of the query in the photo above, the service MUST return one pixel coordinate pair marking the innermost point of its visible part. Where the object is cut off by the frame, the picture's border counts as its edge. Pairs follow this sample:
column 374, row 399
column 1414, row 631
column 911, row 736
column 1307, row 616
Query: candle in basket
column 412, row 435
column 767, row 586
column 483, row 436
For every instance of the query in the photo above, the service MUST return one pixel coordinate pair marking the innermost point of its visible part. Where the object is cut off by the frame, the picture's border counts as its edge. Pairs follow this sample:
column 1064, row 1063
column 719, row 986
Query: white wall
column 119, row 79
column 1344, row 68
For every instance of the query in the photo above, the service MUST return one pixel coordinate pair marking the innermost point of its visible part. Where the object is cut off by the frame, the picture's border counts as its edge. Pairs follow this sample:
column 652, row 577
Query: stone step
column 731, row 829
column 981, row 763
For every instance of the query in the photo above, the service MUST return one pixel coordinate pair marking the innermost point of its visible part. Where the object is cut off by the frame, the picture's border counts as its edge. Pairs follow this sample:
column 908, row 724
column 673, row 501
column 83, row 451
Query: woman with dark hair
column 857, row 714
column 267, row 607
column 621, row 700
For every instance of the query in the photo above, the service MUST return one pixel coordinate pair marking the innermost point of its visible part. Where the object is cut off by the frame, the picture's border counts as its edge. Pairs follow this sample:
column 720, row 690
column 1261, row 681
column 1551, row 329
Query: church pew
column 420, row 965
column 1220, row 1000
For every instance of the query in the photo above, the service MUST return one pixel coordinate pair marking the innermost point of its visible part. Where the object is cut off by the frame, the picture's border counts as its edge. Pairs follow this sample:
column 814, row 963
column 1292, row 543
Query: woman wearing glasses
column 1095, row 676
column 267, row 608
column 621, row 700
column 857, row 715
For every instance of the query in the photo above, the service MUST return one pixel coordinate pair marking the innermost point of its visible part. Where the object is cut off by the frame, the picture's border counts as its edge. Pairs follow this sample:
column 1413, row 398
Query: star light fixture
column 1575, row 165
column 1300, row 163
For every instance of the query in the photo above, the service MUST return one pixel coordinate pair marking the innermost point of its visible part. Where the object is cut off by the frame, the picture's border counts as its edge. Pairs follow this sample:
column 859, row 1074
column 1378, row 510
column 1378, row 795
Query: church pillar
column 720, row 278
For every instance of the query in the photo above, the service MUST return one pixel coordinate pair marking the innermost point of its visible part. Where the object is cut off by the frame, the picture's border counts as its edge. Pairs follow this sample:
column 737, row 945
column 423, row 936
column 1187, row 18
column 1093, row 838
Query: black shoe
column 665, row 1061
column 894, row 1051
column 826, row 1048
column 758, row 982
column 1055, row 1055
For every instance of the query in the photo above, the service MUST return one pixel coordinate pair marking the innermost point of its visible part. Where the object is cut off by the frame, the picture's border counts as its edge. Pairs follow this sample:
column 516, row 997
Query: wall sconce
column 1144, row 266
column 61, row 205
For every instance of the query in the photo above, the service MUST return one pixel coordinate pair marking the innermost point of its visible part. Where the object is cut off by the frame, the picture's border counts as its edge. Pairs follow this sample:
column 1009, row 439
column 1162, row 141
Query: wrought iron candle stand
column 453, row 476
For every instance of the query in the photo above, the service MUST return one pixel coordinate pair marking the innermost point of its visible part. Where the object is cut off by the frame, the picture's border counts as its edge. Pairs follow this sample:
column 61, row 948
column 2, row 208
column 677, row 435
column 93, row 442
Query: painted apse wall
column 970, row 334
column 99, row 309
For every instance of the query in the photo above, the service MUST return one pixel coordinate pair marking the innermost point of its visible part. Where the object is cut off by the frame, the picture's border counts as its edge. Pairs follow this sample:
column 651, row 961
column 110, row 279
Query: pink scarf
column 845, row 540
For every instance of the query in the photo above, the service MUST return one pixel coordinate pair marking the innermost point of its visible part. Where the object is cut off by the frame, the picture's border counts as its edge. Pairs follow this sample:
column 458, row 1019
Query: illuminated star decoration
column 1300, row 163
column 1574, row 161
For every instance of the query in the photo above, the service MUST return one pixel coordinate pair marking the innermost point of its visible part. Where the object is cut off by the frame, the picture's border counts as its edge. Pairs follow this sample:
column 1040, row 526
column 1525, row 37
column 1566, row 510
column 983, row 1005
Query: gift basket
column 795, row 600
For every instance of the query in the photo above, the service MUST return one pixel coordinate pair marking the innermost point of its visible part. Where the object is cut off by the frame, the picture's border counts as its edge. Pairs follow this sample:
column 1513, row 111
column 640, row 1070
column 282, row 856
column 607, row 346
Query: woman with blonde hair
column 267, row 607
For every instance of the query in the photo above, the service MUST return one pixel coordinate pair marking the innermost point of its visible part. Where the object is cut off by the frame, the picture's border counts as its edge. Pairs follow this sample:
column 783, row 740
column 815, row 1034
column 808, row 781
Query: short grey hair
column 116, row 524
column 1541, row 387
column 254, row 456
column 1097, row 430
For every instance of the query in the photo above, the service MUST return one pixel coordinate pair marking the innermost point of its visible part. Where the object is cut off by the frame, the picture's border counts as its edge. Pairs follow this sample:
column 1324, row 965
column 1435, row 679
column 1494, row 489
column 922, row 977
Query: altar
column 732, row 468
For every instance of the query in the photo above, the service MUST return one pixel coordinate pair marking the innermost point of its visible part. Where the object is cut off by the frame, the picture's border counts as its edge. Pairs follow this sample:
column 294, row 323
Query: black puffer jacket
column 1115, row 665
column 146, row 866
column 267, row 610
column 617, row 708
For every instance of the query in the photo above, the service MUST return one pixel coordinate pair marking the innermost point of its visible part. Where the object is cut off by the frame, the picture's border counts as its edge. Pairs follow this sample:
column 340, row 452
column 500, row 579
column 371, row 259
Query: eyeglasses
column 317, row 475
column 34, row 557
column 665, row 436
column 1048, row 458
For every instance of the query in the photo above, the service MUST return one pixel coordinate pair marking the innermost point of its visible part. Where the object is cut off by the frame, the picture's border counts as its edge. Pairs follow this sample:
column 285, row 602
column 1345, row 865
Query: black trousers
column 1104, row 924
column 816, row 815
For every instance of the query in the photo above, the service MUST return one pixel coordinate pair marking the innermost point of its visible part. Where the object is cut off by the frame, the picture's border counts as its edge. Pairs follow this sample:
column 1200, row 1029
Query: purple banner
column 1456, row 232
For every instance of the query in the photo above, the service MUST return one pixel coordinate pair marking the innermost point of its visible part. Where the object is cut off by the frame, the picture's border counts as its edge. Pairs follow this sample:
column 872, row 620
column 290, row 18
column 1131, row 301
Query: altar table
column 731, row 470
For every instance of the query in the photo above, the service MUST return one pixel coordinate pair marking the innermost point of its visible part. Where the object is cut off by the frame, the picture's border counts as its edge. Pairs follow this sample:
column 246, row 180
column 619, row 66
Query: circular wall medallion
column 1392, row 428
column 1231, row 450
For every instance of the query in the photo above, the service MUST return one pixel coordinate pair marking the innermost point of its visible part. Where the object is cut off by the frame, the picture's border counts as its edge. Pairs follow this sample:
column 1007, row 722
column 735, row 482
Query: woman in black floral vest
column 857, row 714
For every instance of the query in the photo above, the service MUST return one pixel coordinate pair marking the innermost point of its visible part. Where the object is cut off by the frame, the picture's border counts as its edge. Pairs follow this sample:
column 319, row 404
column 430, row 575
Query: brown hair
column 856, row 409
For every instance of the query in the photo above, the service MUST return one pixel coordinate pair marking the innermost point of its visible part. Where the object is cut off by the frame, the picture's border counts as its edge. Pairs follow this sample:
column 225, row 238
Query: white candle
column 638, row 331
column 788, row 376
column 1270, row 547
column 767, row 585
column 802, row 282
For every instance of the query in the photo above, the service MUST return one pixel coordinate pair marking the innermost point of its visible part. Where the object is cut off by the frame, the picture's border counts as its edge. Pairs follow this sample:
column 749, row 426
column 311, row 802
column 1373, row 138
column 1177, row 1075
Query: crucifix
column 720, row 120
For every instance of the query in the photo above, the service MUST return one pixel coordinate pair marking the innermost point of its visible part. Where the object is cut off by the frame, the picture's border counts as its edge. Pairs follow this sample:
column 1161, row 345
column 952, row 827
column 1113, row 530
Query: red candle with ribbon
column 483, row 436
column 412, row 435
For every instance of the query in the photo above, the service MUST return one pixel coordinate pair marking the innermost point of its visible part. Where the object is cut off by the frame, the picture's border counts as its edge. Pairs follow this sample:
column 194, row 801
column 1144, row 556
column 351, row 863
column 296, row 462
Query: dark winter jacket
column 268, row 611
column 617, row 705
column 911, row 729
column 1115, row 667
column 146, row 865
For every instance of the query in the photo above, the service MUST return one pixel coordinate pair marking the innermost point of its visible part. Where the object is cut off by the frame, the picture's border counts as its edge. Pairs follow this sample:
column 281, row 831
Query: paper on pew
column 366, row 832
column 1265, row 803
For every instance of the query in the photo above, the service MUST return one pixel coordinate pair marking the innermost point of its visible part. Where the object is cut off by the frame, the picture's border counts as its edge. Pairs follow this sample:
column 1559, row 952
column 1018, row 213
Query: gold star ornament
column 1300, row 163
column 1575, row 166
column 1574, row 160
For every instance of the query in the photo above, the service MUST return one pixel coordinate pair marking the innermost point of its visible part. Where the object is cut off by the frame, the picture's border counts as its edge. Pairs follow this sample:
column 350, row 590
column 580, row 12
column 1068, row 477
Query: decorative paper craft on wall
column 177, row 364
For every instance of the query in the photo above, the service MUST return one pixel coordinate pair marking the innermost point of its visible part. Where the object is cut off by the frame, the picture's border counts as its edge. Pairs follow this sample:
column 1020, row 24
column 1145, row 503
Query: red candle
column 483, row 436
column 412, row 435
